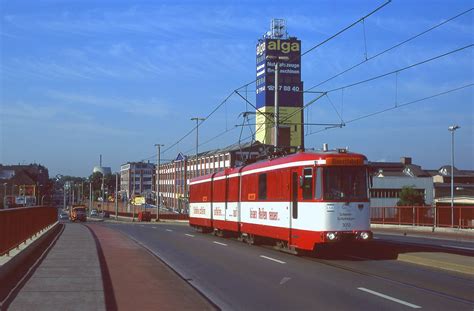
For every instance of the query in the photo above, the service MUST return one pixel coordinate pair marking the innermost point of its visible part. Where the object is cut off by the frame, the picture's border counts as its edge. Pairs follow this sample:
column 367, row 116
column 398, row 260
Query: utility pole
column 82, row 190
column 116, row 195
column 276, row 107
column 197, row 119
column 90, row 195
column 452, row 129
column 158, row 163
column 73, row 189
column 64, row 194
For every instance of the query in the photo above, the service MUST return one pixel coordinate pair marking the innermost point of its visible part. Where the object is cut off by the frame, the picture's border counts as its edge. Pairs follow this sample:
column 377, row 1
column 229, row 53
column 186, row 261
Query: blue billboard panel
column 287, row 53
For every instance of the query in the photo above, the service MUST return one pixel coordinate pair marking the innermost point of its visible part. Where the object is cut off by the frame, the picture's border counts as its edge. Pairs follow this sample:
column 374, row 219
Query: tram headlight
column 331, row 236
column 364, row 235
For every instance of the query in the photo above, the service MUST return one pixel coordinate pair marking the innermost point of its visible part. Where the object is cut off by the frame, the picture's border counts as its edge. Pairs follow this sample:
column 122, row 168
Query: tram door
column 293, row 202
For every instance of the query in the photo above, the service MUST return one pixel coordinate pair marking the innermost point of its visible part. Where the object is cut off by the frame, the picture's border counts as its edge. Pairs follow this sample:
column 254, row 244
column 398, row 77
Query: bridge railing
column 441, row 216
column 19, row 224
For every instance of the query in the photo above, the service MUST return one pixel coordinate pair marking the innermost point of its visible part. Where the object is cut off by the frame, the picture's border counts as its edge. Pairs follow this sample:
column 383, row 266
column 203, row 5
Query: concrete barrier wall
column 19, row 224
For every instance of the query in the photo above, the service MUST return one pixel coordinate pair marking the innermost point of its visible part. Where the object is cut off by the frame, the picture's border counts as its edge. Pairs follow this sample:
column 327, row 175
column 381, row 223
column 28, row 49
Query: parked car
column 63, row 216
column 94, row 213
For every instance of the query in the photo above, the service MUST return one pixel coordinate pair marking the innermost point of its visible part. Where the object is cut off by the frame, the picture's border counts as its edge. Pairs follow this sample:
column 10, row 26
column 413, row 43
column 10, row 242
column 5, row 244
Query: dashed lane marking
column 154, row 227
column 272, row 259
column 389, row 298
column 219, row 243
column 190, row 235
column 169, row 230
column 284, row 280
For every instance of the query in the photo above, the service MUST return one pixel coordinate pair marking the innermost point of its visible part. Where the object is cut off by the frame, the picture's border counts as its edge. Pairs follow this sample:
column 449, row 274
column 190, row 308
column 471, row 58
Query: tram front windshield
column 345, row 183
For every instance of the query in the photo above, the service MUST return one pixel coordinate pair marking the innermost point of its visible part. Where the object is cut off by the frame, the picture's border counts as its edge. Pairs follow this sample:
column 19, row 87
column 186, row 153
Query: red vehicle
column 297, row 201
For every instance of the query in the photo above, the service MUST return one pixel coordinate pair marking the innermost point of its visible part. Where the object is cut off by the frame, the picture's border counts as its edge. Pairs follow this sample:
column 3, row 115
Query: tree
column 109, row 184
column 409, row 196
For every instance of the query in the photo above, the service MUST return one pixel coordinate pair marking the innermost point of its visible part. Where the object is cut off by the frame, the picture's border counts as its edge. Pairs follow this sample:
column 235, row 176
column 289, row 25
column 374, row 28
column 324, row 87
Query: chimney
column 405, row 160
column 325, row 147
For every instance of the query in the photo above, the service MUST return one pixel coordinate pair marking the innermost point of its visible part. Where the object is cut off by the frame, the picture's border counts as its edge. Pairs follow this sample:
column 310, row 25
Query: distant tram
column 297, row 201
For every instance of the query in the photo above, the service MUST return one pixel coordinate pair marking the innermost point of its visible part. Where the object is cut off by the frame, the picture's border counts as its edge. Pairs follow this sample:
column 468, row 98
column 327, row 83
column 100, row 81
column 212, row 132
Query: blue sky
column 83, row 78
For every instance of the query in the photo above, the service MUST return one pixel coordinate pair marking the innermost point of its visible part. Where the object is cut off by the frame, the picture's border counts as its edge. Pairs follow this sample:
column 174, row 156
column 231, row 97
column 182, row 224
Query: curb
column 424, row 229
column 437, row 261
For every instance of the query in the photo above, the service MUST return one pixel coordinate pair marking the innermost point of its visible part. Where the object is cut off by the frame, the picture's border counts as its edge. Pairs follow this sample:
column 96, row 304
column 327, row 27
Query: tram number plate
column 346, row 224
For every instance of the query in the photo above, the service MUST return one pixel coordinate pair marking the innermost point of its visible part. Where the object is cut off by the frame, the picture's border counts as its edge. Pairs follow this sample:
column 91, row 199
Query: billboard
column 287, row 53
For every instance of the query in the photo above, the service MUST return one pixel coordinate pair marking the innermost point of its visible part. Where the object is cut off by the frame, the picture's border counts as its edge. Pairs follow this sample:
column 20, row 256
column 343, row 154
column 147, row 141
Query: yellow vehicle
column 78, row 212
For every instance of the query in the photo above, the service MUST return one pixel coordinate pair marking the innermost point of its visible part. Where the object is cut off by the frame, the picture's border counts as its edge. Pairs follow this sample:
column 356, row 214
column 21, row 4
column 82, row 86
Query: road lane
column 235, row 278
column 466, row 243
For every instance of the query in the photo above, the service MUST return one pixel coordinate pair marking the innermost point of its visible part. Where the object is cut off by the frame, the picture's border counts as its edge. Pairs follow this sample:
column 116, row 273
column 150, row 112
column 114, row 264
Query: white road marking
column 169, row 230
column 154, row 227
column 460, row 247
column 389, row 298
column 284, row 280
column 142, row 225
column 273, row 259
column 223, row 244
column 375, row 238
column 190, row 235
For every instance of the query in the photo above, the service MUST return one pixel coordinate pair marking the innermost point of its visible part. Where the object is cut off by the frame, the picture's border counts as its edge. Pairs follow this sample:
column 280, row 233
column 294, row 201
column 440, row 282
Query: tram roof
column 302, row 156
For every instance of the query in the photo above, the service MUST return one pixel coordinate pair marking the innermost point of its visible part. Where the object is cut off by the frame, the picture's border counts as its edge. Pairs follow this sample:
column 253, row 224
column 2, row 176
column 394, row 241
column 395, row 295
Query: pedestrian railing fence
column 441, row 216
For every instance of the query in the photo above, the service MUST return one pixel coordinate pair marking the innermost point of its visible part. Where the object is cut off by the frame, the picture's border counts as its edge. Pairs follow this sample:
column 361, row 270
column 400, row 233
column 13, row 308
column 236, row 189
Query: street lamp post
column 90, row 195
column 64, row 196
column 116, row 195
column 452, row 129
column 158, row 163
column 4, row 194
column 197, row 119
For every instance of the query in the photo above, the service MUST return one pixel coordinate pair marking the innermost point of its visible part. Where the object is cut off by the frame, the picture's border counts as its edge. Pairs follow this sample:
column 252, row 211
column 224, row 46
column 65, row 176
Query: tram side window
column 307, row 183
column 262, row 186
column 318, row 185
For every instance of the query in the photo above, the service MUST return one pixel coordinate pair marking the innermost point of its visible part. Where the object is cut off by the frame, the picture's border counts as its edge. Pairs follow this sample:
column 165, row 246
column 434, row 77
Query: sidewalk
column 92, row 267
column 68, row 278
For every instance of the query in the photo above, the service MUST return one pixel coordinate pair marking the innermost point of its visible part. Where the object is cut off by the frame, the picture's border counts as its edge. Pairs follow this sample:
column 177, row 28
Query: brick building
column 175, row 175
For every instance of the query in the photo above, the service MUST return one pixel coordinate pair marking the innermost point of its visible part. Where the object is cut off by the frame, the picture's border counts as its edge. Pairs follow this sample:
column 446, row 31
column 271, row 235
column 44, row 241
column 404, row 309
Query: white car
column 63, row 216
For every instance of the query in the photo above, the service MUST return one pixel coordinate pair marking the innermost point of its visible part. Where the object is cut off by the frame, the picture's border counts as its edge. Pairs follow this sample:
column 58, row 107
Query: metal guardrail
column 441, row 216
column 19, row 224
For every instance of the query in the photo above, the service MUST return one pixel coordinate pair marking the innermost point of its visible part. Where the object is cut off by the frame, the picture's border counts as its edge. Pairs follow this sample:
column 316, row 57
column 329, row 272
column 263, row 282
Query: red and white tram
column 297, row 201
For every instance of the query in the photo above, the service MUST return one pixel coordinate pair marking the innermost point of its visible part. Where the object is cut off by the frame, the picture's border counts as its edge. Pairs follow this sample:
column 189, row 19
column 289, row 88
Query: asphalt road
column 236, row 276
